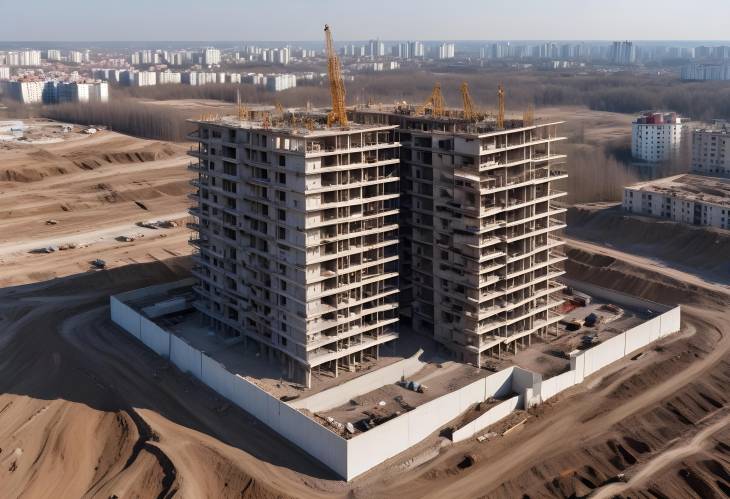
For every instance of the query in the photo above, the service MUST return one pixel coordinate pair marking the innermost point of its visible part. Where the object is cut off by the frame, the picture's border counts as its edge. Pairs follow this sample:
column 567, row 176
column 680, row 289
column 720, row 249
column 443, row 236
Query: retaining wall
column 490, row 417
column 319, row 442
column 350, row 458
column 341, row 394
column 389, row 439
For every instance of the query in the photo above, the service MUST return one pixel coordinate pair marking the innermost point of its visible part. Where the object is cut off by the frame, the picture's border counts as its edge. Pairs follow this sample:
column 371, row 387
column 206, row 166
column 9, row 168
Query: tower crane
column 469, row 110
column 528, row 117
column 337, row 86
column 436, row 102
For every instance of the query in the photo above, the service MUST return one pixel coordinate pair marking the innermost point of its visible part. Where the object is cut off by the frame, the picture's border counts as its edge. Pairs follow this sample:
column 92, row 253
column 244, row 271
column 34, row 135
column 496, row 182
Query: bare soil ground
column 87, row 412
column 92, row 189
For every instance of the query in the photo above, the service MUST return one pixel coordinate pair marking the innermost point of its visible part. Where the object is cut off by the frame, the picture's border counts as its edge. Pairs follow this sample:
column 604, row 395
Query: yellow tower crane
column 470, row 112
column 436, row 102
column 500, row 111
column 528, row 117
column 337, row 86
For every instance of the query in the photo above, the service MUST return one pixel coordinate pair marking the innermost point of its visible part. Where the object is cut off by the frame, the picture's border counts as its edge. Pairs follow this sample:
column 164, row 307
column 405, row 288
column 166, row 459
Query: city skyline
column 224, row 20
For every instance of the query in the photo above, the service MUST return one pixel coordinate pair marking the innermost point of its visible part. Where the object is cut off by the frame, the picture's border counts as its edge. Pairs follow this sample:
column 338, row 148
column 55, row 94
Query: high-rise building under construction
column 297, row 239
column 478, row 228
column 299, row 231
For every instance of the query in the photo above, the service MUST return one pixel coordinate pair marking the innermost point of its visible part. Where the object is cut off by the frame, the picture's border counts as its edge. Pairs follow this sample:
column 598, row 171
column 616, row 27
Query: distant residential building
column 376, row 48
column 4, row 73
column 211, row 57
column 711, row 149
column 445, row 51
column 75, row 57
column 83, row 92
column 28, row 58
column 26, row 92
column 168, row 77
column 138, row 78
column 279, row 82
column 53, row 55
column 416, row 49
column 623, row 53
column 706, row 72
column 105, row 74
column 690, row 199
column 656, row 137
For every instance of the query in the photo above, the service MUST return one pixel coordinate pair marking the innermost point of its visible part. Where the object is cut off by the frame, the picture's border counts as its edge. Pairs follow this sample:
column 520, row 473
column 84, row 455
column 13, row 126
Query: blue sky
column 363, row 19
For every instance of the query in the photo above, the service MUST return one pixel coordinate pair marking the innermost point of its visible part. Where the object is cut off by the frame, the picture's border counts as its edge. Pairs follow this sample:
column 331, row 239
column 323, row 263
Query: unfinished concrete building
column 478, row 229
column 296, row 245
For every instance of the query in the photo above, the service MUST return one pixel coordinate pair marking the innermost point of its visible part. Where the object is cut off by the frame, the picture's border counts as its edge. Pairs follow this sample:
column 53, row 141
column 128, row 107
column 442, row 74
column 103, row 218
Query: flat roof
column 713, row 190
column 299, row 131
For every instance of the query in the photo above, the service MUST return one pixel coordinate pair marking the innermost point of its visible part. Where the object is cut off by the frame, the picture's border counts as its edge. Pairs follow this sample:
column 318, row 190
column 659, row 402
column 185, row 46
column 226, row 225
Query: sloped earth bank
column 87, row 412
column 92, row 190
column 700, row 250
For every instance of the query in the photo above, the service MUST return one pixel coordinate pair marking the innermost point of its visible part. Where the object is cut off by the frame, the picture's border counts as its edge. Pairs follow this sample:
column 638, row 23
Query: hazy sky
column 234, row 20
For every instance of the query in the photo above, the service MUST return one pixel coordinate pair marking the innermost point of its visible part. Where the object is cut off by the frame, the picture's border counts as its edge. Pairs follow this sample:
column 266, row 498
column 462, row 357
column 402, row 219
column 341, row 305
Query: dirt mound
column 35, row 165
column 91, row 160
column 701, row 248
column 611, row 273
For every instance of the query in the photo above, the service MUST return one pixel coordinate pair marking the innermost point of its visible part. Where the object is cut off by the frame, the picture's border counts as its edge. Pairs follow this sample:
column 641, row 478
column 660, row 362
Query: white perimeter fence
column 352, row 457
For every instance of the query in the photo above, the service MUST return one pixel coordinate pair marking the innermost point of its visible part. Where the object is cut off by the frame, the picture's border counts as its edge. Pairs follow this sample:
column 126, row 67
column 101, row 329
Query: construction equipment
column 241, row 109
column 435, row 102
column 469, row 111
column 500, row 110
column 528, row 117
column 337, row 86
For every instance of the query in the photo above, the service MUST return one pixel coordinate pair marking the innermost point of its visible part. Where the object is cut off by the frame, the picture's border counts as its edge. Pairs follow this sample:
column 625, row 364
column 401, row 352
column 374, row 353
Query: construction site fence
column 341, row 394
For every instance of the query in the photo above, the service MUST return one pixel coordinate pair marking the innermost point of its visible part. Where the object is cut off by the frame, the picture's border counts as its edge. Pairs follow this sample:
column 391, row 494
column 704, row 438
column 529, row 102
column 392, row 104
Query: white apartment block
column 479, row 228
column 26, row 92
column 445, row 51
column 25, row 58
column 144, row 79
column 75, row 57
column 53, row 55
column 211, row 57
column 279, row 82
column 711, row 150
column 4, row 73
column 656, row 137
column 297, row 240
column 690, row 199
column 168, row 77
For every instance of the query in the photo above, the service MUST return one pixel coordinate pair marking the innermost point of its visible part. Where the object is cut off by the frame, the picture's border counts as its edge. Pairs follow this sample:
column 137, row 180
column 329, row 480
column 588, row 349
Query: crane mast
column 337, row 86
column 436, row 102
column 469, row 110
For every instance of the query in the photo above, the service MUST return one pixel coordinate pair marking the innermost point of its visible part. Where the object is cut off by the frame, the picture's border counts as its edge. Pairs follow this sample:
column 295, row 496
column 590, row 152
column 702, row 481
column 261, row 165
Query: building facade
column 478, row 225
column 690, row 199
column 656, row 137
column 297, row 240
column 711, row 150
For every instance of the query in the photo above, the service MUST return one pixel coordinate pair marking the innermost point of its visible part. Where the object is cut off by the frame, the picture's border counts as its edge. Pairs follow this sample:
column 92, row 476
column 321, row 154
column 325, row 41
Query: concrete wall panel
column 604, row 354
column 490, row 417
column 335, row 397
column 185, row 357
column 641, row 335
column 671, row 322
column 125, row 317
column 154, row 337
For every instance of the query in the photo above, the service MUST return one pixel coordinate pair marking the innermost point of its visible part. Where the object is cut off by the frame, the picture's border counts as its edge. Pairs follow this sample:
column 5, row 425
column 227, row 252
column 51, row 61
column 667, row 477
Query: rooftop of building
column 658, row 118
column 720, row 127
column 293, row 123
column 453, row 119
column 712, row 190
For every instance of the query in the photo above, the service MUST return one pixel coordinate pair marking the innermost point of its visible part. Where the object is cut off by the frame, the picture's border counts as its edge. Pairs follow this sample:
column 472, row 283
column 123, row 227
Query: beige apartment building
column 296, row 245
column 479, row 229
